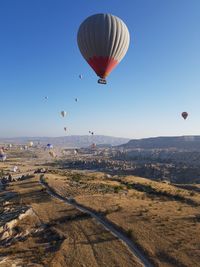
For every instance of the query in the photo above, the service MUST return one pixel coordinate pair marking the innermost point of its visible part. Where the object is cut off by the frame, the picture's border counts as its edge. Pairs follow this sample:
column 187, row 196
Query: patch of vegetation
column 129, row 233
column 117, row 188
column 119, row 208
column 151, row 191
column 76, row 177
column 192, row 194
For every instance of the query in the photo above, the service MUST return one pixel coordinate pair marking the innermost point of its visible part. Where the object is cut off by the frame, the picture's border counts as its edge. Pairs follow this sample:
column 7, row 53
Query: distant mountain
column 190, row 143
column 73, row 141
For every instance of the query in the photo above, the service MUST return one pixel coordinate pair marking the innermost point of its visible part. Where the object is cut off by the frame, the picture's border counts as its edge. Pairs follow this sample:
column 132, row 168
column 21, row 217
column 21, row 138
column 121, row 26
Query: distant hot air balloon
column 30, row 143
column 103, row 40
column 49, row 146
column 15, row 168
column 3, row 156
column 76, row 99
column 63, row 113
column 80, row 76
column 65, row 129
column 184, row 115
column 46, row 97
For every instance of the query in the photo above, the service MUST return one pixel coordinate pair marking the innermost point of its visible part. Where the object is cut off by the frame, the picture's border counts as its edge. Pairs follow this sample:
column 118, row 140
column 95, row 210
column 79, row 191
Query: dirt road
column 105, row 223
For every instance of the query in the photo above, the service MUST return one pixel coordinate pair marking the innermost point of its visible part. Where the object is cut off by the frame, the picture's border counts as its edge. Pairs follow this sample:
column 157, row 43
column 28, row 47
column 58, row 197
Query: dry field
column 38, row 230
column 163, row 219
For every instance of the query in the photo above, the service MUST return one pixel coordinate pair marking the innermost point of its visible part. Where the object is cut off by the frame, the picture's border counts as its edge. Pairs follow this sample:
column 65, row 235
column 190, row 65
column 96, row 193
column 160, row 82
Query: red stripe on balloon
column 102, row 65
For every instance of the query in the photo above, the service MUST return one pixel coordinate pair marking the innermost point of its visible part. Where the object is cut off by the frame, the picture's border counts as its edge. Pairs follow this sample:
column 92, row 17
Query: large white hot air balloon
column 103, row 40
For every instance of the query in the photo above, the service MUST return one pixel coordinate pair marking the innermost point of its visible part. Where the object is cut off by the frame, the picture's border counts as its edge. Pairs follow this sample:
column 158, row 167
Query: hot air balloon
column 80, row 76
column 103, row 40
column 3, row 156
column 30, row 143
column 63, row 113
column 49, row 146
column 65, row 129
column 76, row 99
column 46, row 97
column 15, row 168
column 184, row 115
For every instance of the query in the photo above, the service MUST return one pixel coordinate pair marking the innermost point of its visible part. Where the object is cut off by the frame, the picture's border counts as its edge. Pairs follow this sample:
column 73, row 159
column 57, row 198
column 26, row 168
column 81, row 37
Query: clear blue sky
column 157, row 80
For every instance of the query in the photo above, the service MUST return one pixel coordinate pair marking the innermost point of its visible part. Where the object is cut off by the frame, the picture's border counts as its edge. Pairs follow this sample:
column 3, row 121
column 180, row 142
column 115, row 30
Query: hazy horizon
column 112, row 136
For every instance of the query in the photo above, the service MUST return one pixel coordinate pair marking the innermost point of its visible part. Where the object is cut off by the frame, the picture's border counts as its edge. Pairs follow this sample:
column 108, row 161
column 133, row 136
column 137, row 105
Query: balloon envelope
column 31, row 144
column 103, row 40
column 184, row 115
column 3, row 157
column 63, row 113
column 49, row 146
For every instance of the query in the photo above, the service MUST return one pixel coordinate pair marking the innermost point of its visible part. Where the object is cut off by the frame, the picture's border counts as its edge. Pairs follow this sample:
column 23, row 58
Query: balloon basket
column 102, row 81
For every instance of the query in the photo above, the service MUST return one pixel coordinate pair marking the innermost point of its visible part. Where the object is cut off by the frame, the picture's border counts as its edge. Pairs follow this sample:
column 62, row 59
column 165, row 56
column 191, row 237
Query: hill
column 191, row 143
column 76, row 141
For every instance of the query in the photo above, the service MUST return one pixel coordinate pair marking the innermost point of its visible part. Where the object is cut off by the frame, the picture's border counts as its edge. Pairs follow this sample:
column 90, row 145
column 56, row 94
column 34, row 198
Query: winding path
column 105, row 223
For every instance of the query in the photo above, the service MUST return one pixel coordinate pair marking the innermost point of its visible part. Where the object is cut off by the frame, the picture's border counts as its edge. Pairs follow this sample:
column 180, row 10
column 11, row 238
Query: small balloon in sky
column 184, row 115
column 63, row 113
column 92, row 133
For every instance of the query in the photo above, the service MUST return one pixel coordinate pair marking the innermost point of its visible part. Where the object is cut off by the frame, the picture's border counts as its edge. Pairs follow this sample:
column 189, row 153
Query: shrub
column 129, row 233
column 117, row 188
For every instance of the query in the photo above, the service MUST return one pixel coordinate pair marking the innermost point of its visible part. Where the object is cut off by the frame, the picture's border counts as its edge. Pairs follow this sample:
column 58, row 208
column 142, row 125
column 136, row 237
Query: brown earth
column 38, row 230
column 163, row 219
